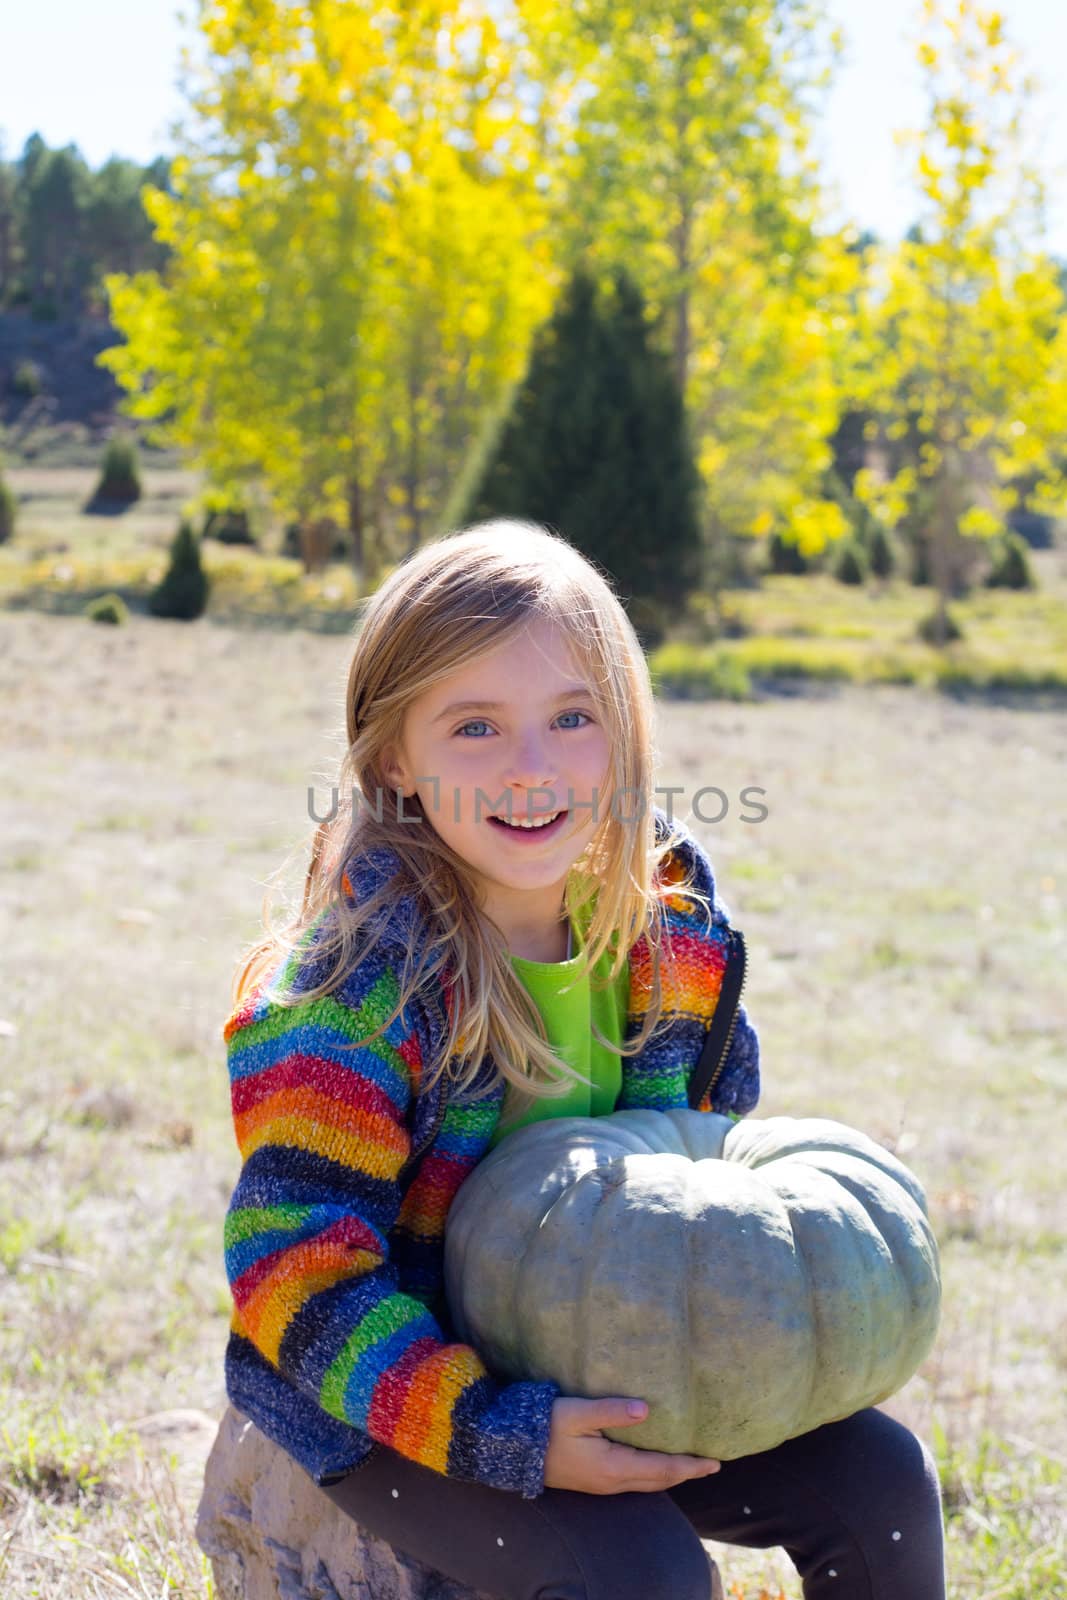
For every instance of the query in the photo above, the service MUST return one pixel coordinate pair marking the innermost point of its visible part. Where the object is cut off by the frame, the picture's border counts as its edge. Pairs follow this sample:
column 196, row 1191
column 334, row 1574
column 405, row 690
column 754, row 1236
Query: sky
column 104, row 76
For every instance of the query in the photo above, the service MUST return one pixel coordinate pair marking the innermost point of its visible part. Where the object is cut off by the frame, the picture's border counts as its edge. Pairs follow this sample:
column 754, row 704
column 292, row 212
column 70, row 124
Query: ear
column 395, row 771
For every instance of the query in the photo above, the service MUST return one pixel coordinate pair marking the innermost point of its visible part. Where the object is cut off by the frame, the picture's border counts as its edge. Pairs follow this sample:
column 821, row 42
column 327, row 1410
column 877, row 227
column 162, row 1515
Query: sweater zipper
column 737, row 953
column 416, row 1155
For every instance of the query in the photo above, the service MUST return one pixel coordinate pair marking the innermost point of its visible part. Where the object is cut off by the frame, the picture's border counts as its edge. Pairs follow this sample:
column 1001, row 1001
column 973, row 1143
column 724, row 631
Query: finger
column 659, row 1468
column 613, row 1412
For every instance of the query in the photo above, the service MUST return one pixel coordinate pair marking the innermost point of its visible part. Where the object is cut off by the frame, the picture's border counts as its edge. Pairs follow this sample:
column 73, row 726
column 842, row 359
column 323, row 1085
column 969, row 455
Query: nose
column 531, row 769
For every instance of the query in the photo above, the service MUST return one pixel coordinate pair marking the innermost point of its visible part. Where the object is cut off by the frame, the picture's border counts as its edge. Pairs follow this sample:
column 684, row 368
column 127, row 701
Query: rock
column 272, row 1535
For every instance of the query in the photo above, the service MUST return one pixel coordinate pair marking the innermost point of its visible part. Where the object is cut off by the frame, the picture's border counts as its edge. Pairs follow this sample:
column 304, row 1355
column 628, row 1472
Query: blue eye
column 479, row 722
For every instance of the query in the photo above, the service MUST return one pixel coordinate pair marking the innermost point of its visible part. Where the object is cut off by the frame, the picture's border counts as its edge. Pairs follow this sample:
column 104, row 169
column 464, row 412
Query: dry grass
column 903, row 905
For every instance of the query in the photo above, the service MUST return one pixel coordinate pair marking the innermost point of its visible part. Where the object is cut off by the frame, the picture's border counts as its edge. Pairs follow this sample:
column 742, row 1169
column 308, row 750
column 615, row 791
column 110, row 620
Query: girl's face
column 526, row 738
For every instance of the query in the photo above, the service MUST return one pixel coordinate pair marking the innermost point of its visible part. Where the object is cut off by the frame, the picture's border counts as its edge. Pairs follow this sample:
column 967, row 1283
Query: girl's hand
column 579, row 1457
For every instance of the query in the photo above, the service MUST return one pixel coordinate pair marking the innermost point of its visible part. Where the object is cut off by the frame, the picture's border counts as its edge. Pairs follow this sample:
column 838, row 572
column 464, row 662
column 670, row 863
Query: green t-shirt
column 567, row 1020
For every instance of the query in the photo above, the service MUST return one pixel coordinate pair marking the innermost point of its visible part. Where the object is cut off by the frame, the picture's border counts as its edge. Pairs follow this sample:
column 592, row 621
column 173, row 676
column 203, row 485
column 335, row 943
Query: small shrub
column 927, row 629
column 183, row 590
column 228, row 527
column 1011, row 567
column 880, row 553
column 120, row 480
column 7, row 512
column 27, row 380
column 110, row 608
column 785, row 557
column 850, row 565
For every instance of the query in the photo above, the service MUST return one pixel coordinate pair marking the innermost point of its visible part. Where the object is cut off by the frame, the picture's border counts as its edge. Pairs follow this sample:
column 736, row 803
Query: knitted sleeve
column 323, row 1139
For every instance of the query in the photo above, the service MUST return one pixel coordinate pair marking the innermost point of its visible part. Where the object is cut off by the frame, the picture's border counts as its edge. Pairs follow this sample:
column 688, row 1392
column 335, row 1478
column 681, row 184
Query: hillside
column 76, row 407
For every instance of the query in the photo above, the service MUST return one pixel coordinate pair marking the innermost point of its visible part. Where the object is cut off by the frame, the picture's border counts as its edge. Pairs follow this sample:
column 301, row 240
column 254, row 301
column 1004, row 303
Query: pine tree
column 120, row 476
column 850, row 564
column 595, row 443
column 880, row 550
column 183, row 590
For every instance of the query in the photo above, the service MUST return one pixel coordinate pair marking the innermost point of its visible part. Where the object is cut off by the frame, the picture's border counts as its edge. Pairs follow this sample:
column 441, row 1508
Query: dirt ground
column 902, row 901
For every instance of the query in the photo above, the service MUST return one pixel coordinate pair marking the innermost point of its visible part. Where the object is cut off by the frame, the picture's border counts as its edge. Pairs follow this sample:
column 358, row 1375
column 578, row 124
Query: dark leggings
column 855, row 1504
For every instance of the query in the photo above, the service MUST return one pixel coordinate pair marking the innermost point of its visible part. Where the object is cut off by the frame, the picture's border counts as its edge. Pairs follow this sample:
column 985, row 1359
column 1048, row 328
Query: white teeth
column 543, row 823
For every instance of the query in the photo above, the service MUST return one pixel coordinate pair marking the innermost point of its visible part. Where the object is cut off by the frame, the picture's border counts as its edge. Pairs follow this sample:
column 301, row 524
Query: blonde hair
column 445, row 605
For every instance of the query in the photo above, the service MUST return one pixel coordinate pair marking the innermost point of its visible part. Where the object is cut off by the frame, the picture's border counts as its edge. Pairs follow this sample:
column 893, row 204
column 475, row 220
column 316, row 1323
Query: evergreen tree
column 182, row 593
column 880, row 550
column 120, row 477
column 595, row 443
column 850, row 564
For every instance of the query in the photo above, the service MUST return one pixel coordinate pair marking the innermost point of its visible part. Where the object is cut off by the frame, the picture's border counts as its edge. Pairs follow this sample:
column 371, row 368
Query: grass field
column 903, row 906
column 787, row 629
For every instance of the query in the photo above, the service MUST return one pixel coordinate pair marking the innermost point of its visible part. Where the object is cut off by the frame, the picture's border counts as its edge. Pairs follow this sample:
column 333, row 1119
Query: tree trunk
column 411, row 482
column 315, row 542
column 941, row 534
column 356, row 527
column 681, row 305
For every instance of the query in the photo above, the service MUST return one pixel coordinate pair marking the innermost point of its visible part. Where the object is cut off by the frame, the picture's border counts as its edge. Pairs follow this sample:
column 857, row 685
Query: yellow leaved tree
column 689, row 160
column 968, row 381
column 358, row 260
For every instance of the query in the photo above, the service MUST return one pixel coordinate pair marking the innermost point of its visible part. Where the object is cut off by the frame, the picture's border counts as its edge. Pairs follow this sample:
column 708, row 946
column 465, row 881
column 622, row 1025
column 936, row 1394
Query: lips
column 546, row 828
column 535, row 816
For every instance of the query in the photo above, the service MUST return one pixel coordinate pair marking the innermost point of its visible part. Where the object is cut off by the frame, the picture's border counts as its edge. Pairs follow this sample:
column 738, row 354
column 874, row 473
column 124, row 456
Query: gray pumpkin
column 751, row 1281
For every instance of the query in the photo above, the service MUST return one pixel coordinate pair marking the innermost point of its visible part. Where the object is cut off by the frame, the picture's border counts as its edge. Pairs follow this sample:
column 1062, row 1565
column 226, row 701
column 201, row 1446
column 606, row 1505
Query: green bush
column 7, row 512
column 1011, row 565
column 850, row 564
column 183, row 590
column 110, row 608
column 27, row 380
column 120, row 479
column 927, row 628
column 228, row 527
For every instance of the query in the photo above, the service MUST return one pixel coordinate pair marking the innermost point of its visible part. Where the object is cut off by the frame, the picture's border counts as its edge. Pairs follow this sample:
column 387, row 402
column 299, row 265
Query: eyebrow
column 573, row 691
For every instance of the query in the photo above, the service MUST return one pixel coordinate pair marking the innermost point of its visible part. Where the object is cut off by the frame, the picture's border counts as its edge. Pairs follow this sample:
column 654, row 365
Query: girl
column 504, row 928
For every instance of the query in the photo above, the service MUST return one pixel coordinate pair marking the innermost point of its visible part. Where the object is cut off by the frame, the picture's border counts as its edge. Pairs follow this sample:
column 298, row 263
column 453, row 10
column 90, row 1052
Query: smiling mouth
column 550, row 821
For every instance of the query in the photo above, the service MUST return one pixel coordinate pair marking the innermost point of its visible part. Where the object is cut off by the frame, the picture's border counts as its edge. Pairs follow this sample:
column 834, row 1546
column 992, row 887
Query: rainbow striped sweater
column 339, row 1338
